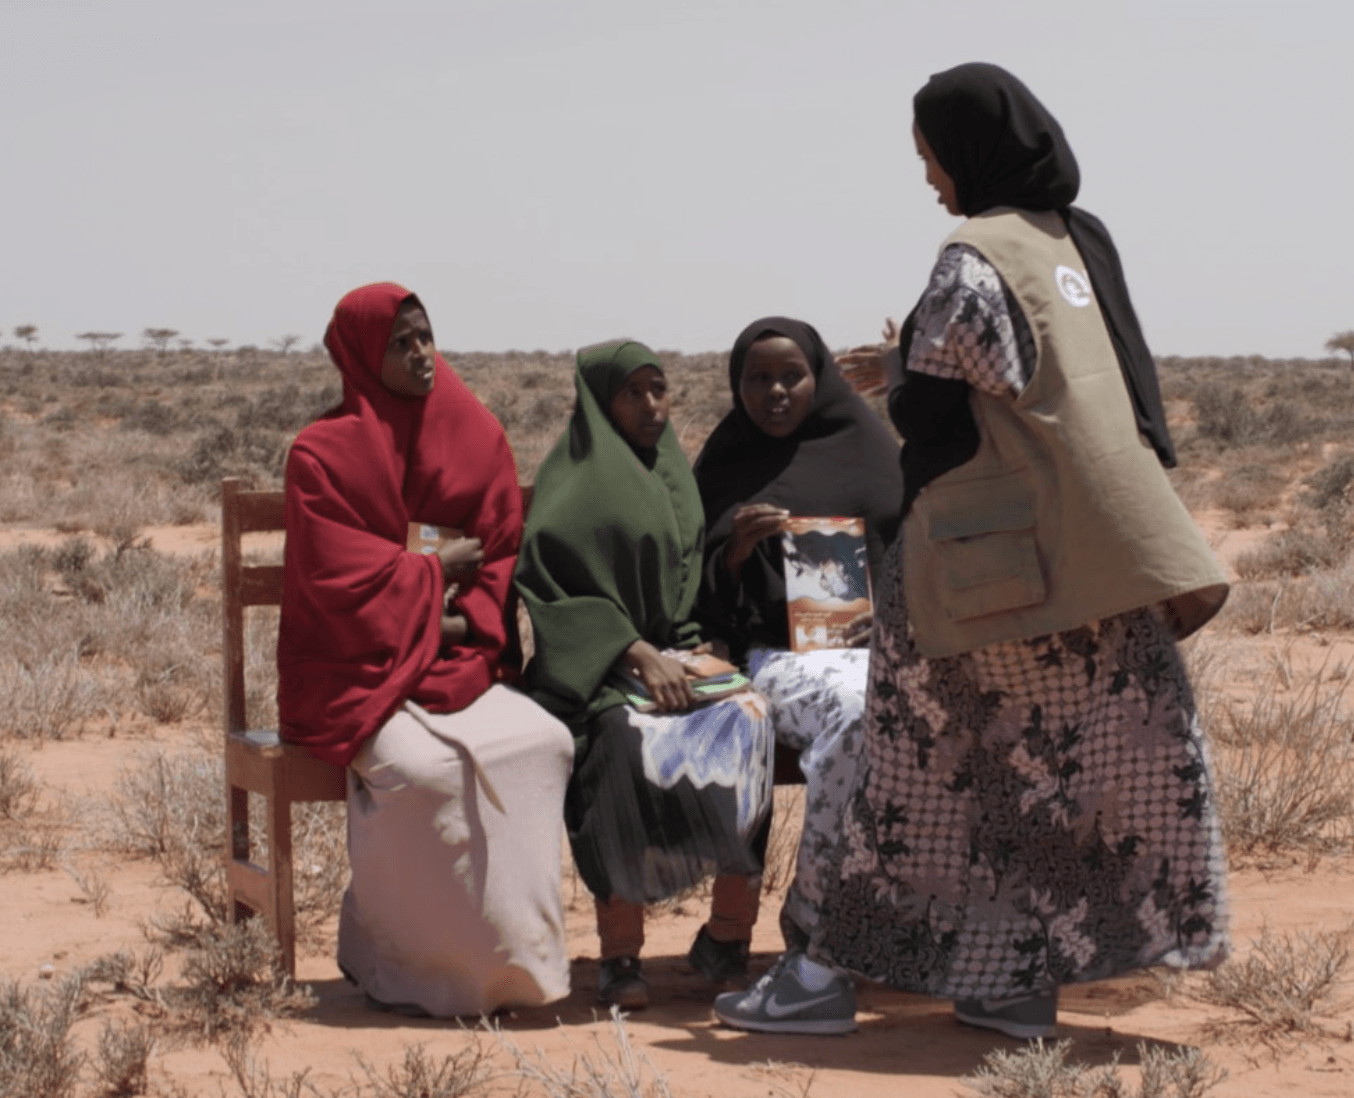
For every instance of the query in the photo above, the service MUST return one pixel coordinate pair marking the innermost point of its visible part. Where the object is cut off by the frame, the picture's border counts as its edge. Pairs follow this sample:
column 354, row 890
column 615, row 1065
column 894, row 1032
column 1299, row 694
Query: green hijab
column 611, row 552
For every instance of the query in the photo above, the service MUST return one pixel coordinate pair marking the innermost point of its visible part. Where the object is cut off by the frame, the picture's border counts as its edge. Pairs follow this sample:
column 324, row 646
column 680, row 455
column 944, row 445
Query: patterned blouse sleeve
column 970, row 328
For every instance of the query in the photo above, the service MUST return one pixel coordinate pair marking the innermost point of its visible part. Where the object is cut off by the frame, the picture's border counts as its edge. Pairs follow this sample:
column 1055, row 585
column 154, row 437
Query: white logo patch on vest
column 1073, row 286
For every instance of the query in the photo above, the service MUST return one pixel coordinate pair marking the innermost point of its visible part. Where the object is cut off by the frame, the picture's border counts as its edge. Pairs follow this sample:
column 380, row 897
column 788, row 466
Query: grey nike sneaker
column 780, row 1003
column 1029, row 1017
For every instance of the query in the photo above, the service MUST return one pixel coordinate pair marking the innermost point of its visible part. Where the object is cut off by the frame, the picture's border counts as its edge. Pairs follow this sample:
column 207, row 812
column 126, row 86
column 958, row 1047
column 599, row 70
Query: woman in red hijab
column 387, row 663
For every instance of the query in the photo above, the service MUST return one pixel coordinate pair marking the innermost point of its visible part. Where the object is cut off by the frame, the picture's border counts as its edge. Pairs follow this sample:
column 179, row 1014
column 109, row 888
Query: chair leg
column 280, row 877
column 237, row 844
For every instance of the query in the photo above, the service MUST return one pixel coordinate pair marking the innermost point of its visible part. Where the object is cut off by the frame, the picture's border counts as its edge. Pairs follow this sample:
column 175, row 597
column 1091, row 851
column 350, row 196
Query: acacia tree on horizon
column 159, row 337
column 1342, row 341
column 99, row 342
column 28, row 333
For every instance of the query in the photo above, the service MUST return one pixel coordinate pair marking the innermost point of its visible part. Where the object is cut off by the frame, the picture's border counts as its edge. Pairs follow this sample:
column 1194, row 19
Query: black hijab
column 842, row 460
column 1002, row 147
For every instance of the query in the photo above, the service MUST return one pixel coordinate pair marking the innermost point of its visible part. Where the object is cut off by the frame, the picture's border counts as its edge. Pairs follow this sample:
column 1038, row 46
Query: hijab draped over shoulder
column 1002, row 147
column 612, row 548
column 842, row 460
column 361, row 615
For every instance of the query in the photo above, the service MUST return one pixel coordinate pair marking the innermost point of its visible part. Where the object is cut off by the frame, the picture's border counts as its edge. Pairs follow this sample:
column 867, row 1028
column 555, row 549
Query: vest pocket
column 982, row 533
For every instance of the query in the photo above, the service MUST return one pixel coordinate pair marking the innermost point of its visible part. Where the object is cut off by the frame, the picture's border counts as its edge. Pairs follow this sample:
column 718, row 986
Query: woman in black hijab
column 761, row 464
column 1037, row 808
column 798, row 442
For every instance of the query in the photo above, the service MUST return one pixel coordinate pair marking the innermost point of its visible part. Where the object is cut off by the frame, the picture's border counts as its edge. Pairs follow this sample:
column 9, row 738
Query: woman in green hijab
column 609, row 569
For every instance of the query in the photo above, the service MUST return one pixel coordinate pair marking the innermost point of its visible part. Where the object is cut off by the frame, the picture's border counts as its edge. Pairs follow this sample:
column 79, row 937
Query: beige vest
column 1064, row 515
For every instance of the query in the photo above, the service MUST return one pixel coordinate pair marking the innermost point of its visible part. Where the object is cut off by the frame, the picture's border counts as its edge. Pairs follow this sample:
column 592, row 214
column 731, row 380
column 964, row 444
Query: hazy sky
column 548, row 173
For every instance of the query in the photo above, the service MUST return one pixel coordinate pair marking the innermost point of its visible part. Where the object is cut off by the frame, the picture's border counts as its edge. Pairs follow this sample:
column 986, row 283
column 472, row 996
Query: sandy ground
column 906, row 1044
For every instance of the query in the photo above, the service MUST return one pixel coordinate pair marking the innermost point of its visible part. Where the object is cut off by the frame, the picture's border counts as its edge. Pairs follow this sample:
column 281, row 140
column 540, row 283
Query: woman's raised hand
column 663, row 677
column 752, row 523
column 461, row 559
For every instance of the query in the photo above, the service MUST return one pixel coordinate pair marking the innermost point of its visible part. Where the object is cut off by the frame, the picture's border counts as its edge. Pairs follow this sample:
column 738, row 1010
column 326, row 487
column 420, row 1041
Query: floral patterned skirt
column 658, row 801
column 817, row 705
column 1030, row 814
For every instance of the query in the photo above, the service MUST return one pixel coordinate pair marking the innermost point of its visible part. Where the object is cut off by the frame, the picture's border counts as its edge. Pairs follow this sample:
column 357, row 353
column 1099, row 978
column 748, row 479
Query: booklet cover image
column 827, row 579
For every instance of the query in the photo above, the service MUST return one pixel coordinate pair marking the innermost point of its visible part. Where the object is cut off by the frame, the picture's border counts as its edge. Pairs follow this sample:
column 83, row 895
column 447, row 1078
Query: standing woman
column 795, row 427
column 388, row 662
column 609, row 570
column 1039, row 805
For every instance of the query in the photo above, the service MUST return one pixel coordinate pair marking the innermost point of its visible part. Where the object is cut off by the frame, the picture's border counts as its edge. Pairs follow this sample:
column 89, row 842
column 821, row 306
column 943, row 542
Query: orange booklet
column 429, row 539
column 827, row 579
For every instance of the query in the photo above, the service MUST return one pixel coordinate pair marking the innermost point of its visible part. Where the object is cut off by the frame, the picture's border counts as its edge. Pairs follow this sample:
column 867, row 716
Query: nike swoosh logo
column 776, row 1009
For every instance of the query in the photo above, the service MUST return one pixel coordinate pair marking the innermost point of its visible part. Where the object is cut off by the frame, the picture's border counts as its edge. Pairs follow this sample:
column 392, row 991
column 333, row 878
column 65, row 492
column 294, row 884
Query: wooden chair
column 256, row 761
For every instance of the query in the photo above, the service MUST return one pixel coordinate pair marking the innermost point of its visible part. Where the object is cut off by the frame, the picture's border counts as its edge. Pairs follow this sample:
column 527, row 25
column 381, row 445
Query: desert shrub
column 1269, row 748
column 171, row 808
column 1222, row 412
column 170, row 692
column 250, row 453
column 419, row 1075
column 286, row 409
column 95, row 377
column 1248, row 488
column 1321, row 600
column 72, row 557
column 1251, row 608
column 32, row 847
column 122, row 1059
column 153, row 417
column 1280, row 423
column 613, row 1069
column 18, row 787
column 37, row 1054
column 1284, row 983
column 46, row 699
column 63, row 419
column 1289, row 553
column 254, row 1078
column 1042, row 1071
column 128, row 973
column 1330, row 484
column 547, row 414
column 94, row 888
column 233, row 981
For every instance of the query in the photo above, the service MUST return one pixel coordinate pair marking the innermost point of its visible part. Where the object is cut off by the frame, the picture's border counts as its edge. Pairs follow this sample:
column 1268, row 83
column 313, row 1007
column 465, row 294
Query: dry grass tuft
column 419, row 1075
column 1268, row 749
column 37, row 1054
column 614, row 1069
column 1041, row 1070
column 233, row 982
column 18, row 787
column 123, row 1059
column 1284, row 984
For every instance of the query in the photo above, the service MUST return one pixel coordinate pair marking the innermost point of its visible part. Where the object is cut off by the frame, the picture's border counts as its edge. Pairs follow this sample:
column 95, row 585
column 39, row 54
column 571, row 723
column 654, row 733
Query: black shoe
column 719, row 962
column 620, row 982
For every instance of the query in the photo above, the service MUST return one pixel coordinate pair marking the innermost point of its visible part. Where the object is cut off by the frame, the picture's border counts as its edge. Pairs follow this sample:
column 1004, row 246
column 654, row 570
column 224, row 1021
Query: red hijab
column 361, row 615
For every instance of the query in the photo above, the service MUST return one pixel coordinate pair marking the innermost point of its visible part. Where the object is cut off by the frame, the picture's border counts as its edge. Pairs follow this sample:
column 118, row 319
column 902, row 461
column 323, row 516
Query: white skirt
column 454, row 906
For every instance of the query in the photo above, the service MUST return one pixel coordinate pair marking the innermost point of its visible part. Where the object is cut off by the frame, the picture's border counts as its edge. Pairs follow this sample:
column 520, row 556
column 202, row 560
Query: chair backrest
column 244, row 584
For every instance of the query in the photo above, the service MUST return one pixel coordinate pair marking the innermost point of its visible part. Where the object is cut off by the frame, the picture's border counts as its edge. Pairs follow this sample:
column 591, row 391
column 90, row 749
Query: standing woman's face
column 937, row 176
column 640, row 407
column 410, row 364
column 777, row 386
